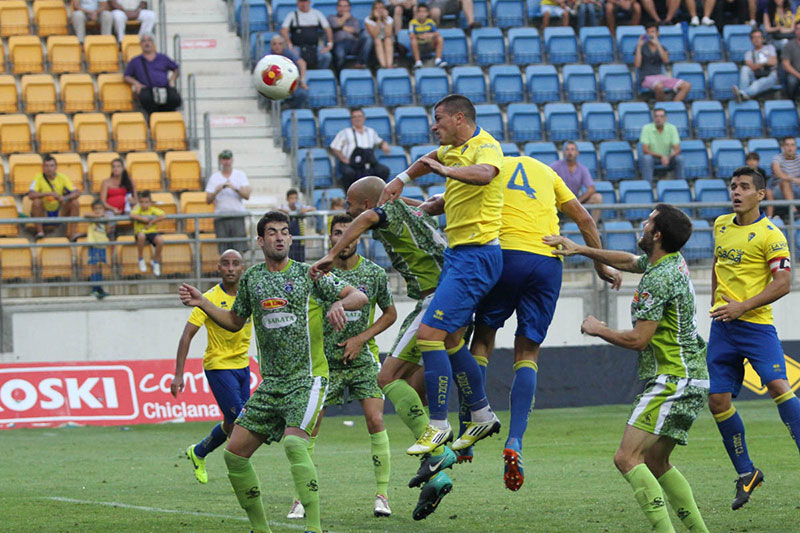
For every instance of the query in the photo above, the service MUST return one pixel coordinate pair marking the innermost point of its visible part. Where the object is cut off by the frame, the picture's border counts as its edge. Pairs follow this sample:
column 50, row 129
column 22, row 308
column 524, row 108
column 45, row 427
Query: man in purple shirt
column 152, row 78
column 578, row 178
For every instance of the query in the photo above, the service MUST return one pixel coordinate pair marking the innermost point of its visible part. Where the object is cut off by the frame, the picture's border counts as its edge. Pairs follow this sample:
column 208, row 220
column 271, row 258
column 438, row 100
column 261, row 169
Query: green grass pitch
column 136, row 479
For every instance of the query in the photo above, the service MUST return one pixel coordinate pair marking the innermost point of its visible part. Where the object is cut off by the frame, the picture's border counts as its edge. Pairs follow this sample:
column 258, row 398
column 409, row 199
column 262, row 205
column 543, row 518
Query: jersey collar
column 761, row 215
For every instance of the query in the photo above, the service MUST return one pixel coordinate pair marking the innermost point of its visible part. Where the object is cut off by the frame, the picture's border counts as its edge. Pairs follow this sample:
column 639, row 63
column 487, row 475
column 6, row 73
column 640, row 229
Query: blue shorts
column 53, row 214
column 729, row 343
column 97, row 255
column 529, row 285
column 469, row 273
column 231, row 388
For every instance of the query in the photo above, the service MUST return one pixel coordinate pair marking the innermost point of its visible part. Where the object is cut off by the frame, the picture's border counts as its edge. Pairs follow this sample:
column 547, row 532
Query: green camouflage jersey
column 665, row 294
column 286, row 307
column 372, row 280
column 413, row 244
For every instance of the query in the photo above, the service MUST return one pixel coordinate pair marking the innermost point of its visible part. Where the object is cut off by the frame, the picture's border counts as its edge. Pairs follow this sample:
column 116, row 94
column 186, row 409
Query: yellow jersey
column 60, row 184
column 141, row 227
column 473, row 211
column 225, row 349
column 533, row 195
column 743, row 255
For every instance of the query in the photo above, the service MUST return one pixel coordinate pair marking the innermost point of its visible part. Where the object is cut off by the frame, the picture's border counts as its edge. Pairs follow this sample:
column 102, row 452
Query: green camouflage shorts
column 668, row 406
column 275, row 406
column 361, row 382
column 405, row 345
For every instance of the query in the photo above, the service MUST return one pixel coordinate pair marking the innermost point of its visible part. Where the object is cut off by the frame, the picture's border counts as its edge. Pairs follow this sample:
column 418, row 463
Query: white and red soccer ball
column 275, row 77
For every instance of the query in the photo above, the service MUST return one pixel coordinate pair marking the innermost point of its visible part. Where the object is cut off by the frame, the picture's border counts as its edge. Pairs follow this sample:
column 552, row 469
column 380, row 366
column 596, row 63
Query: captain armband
column 780, row 263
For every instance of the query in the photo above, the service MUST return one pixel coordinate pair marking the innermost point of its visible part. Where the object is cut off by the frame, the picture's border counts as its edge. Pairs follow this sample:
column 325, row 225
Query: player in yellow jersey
column 752, row 269
column 226, row 363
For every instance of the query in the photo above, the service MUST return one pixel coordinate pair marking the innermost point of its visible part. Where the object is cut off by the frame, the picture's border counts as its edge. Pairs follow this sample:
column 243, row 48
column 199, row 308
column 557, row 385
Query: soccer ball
column 275, row 77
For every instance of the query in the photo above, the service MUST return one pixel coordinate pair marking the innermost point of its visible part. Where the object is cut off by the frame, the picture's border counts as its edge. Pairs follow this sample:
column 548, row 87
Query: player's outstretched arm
column 395, row 187
column 434, row 205
column 633, row 339
column 480, row 174
column 350, row 299
column 362, row 223
column 575, row 210
column 613, row 258
column 226, row 318
column 780, row 285
column 353, row 345
column 188, row 334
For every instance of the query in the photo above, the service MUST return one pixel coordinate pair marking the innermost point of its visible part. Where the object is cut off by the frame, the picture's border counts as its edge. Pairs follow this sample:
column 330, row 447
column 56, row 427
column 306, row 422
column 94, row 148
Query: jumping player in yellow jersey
column 226, row 363
column 752, row 269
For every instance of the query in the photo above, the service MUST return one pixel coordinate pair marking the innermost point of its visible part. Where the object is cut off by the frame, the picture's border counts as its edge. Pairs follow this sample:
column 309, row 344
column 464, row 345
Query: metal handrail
column 191, row 97
column 162, row 26
column 207, row 143
column 245, row 32
column 177, row 56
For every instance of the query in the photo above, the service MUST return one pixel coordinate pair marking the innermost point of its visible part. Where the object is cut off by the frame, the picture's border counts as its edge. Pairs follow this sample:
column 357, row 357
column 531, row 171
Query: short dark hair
column 143, row 194
column 457, row 103
column 756, row 30
column 674, row 226
column 346, row 1
column 783, row 141
column 753, row 156
column 358, row 107
column 291, row 192
column 49, row 157
column 339, row 219
column 96, row 202
column 271, row 216
column 651, row 24
column 421, row 5
column 656, row 110
column 759, row 180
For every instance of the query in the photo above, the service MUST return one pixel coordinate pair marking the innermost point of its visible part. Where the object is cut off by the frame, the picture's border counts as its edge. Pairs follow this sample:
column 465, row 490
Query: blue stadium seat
column 704, row 42
column 280, row 8
column 414, row 192
column 330, row 194
column 627, row 37
column 711, row 190
column 331, row 122
column 674, row 192
column 676, row 115
column 358, row 87
column 726, row 155
column 524, row 122
column 361, row 9
column 524, row 46
column 543, row 84
column 701, row 243
column 579, row 83
column 722, row 77
column 403, row 39
column 746, row 119
column 587, row 156
column 510, row 149
column 561, row 45
column 435, row 189
column 609, row 194
column 616, row 160
column 632, row 116
column 321, row 88
column 327, row 7
column 616, row 83
column 488, row 46
column 480, row 14
column 377, row 118
column 306, row 128
column 394, row 87
column 432, row 85
column 695, row 159
column 377, row 254
column 671, row 37
column 427, row 179
column 508, row 13
column 737, row 40
column 533, row 8
column 619, row 235
column 455, row 46
column 781, row 118
column 708, row 117
column 320, row 167
column 489, row 118
column 257, row 15
column 396, row 160
column 561, row 121
column 545, row 152
column 572, row 232
column 597, row 44
column 470, row 82
column 693, row 73
column 319, row 196
column 766, row 150
column 636, row 192
column 505, row 84
column 599, row 123
column 263, row 36
column 411, row 126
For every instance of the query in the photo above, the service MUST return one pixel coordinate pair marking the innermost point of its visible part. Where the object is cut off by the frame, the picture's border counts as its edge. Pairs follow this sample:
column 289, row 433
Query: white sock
column 484, row 414
column 440, row 424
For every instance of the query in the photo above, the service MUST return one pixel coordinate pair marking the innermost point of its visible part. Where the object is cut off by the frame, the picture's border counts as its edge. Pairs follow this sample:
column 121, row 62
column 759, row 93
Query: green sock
column 648, row 494
column 680, row 497
column 312, row 441
column 247, row 489
column 408, row 406
column 381, row 460
column 305, row 479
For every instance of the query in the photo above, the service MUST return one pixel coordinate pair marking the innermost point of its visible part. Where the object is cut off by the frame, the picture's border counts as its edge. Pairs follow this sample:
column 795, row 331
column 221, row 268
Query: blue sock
column 521, row 398
column 438, row 375
column 731, row 428
column 789, row 409
column 468, row 376
column 464, row 414
column 212, row 441
column 97, row 277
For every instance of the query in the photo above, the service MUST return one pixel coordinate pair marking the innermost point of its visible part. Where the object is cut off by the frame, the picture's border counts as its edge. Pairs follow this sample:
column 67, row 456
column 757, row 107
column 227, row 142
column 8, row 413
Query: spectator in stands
column 453, row 7
column 354, row 147
column 349, row 38
column 125, row 10
column 753, row 160
column 301, row 28
column 790, row 61
column 589, row 12
column 299, row 98
column 297, row 226
column 152, row 78
column 425, row 37
column 227, row 189
column 630, row 10
column 651, row 58
column 708, row 8
column 402, row 13
column 52, row 195
column 779, row 22
column 97, row 234
column 661, row 11
column 145, row 216
column 555, row 9
column 338, row 204
column 786, row 169
column 380, row 27
column 760, row 70
column 118, row 194
column 661, row 144
column 734, row 12
column 92, row 11
column 578, row 178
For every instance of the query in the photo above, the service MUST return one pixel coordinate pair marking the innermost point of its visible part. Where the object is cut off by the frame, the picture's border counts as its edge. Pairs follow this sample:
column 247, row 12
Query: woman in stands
column 380, row 27
column 779, row 22
column 118, row 194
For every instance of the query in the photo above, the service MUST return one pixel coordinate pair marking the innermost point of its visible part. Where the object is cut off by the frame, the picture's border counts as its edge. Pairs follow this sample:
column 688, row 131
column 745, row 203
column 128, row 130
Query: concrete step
column 226, row 66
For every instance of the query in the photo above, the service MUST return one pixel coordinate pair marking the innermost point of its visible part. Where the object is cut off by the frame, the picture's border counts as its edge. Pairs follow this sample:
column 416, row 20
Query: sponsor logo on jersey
column 438, row 314
column 352, row 316
column 278, row 320
column 778, row 246
column 733, row 255
column 464, row 148
column 273, row 303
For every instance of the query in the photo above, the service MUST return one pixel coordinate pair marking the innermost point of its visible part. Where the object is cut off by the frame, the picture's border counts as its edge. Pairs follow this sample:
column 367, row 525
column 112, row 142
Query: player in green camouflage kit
column 287, row 311
column 672, row 358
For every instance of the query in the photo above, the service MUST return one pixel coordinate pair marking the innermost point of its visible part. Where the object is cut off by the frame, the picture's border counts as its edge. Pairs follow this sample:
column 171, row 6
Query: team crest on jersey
column 273, row 303
column 644, row 298
column 363, row 288
column 289, row 286
column 751, row 236
column 464, row 148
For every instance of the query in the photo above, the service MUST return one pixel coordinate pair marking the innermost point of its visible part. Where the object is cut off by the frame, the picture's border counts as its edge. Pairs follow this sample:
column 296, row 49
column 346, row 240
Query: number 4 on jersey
column 514, row 182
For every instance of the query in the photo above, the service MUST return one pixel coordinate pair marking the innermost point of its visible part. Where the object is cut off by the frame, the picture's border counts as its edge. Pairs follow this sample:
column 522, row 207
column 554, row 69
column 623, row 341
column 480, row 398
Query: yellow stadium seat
column 2, row 179
column 144, row 168
column 126, row 257
column 183, row 171
column 130, row 48
column 115, row 93
column 64, row 54
column 54, row 262
column 129, row 131
column 176, row 256
column 209, row 254
column 39, row 93
column 15, row 134
column 77, row 93
column 25, row 53
column 102, row 53
column 8, row 209
column 91, row 132
column 22, row 168
column 166, row 202
column 71, row 166
column 195, row 202
column 17, row 262
column 85, row 269
column 168, row 131
column 14, row 19
column 52, row 132
column 9, row 100
column 98, row 166
column 50, row 17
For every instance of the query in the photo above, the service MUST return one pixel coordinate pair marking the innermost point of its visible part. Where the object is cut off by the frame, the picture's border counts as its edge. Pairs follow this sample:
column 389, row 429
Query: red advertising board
column 105, row 393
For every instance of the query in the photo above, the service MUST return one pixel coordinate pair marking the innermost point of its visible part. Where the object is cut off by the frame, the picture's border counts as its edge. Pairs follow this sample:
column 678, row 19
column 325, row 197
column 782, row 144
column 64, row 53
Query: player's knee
column 777, row 387
column 374, row 422
column 384, row 378
column 718, row 403
column 621, row 461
